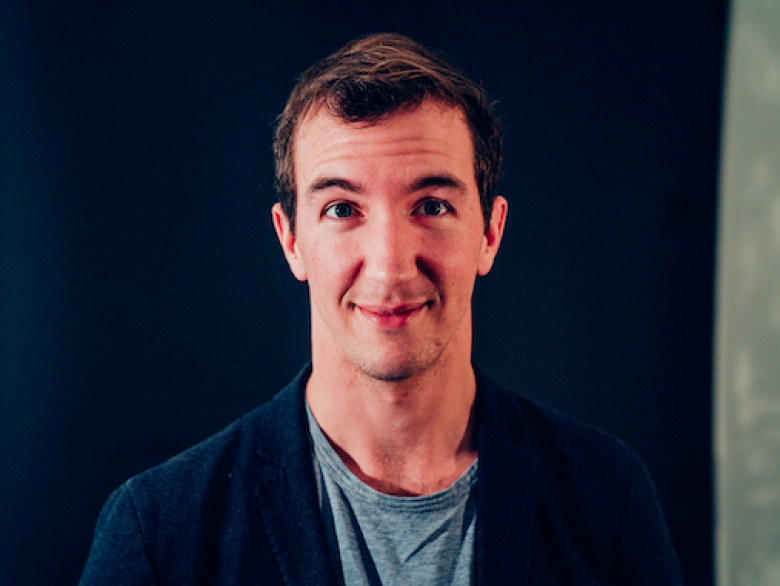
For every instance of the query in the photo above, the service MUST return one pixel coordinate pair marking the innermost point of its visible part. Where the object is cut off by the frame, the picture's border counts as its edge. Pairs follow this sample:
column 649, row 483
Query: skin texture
column 390, row 238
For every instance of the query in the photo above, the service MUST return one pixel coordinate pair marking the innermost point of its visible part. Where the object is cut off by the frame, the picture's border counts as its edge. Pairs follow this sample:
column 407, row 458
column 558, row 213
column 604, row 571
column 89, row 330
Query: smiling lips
column 391, row 317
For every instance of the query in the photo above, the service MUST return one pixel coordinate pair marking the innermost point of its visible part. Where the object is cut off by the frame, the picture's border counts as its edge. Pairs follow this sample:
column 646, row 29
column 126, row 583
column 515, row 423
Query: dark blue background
column 145, row 302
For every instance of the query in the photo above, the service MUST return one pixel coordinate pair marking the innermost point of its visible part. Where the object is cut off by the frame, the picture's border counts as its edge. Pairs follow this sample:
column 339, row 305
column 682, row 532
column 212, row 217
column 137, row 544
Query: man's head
column 374, row 77
column 393, row 194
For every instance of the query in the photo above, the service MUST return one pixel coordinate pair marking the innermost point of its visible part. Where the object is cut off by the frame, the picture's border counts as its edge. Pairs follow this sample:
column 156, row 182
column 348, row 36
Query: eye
column 433, row 207
column 339, row 210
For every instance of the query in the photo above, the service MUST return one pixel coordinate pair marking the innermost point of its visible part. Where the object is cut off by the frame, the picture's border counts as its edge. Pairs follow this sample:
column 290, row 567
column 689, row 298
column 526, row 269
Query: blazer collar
column 287, row 493
column 506, row 491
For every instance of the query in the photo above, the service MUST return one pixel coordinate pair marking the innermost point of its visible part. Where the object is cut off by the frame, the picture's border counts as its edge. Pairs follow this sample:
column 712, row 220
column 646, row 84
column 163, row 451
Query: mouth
column 391, row 317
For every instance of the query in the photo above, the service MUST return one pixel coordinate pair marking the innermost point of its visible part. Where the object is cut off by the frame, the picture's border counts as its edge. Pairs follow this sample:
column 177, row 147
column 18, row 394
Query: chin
column 390, row 374
column 396, row 369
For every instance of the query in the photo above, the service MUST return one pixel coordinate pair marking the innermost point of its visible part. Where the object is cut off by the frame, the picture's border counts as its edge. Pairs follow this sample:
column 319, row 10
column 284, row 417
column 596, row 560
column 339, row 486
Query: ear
column 492, row 238
column 289, row 242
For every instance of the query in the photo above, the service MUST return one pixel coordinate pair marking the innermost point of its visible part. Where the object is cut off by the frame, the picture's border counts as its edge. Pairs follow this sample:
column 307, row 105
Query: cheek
column 455, row 257
column 329, row 263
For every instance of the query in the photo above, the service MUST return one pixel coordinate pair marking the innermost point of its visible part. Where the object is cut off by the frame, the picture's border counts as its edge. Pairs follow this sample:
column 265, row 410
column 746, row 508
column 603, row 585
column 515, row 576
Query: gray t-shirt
column 378, row 539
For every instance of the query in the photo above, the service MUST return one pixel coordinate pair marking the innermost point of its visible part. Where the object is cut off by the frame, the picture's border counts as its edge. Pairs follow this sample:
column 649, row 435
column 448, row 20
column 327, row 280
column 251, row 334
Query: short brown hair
column 373, row 77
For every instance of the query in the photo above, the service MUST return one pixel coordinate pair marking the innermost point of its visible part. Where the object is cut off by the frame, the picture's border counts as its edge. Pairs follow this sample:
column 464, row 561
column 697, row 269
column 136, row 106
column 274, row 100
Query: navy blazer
column 558, row 502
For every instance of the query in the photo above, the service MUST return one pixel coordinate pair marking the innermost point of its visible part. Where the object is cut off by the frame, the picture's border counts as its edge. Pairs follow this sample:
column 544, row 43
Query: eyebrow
column 421, row 184
column 444, row 181
column 328, row 182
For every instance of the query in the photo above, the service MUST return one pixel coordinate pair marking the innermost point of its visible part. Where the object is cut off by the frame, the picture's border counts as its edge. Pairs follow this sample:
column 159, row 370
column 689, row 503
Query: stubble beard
column 385, row 369
column 379, row 361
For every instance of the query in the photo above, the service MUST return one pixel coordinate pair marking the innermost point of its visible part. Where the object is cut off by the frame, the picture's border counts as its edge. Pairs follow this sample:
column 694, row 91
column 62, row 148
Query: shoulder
column 226, row 467
column 269, row 433
column 594, row 500
column 542, row 429
column 577, row 463
column 195, row 513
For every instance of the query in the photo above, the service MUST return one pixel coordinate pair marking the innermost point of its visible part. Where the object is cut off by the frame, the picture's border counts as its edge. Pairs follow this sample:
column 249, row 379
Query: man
column 389, row 459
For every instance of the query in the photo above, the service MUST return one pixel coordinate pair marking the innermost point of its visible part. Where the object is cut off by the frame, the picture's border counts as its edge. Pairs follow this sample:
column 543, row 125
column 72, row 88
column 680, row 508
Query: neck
column 413, row 436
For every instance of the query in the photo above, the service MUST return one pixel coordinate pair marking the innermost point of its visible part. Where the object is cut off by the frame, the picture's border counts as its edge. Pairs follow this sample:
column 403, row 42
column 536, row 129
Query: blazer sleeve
column 647, row 556
column 119, row 556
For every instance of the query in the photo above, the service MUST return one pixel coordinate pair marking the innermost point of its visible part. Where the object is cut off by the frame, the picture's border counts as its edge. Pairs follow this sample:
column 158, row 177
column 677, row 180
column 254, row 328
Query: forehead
column 430, row 134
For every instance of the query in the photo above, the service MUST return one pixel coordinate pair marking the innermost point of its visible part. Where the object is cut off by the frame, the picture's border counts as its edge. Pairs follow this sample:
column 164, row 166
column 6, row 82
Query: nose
column 391, row 250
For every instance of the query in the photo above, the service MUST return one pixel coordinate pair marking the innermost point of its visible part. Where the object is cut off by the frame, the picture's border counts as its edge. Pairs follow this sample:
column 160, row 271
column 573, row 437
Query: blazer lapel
column 506, row 505
column 288, row 504
column 287, row 492
column 507, row 491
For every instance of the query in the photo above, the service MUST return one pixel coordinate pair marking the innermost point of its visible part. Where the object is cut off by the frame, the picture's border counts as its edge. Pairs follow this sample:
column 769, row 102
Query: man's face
column 390, row 236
